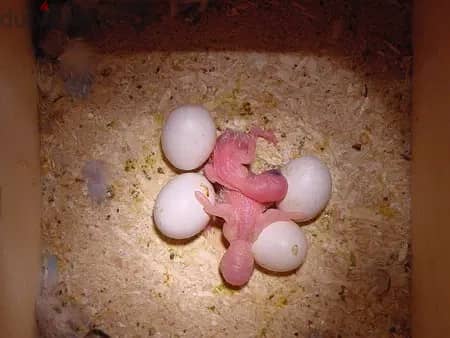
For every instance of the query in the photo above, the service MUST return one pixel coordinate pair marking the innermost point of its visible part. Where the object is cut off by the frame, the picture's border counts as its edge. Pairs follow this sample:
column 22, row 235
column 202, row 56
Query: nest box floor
column 332, row 79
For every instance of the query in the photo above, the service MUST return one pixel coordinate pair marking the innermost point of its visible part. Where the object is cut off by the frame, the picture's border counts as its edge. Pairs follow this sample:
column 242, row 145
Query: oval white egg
column 280, row 247
column 188, row 137
column 309, row 187
column 177, row 213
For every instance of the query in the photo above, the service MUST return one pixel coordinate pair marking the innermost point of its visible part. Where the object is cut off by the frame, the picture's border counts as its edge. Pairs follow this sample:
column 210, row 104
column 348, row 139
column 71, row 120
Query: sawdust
column 332, row 80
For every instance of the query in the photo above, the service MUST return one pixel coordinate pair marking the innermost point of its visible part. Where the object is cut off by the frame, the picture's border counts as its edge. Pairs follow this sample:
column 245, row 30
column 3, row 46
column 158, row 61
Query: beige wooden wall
column 19, row 174
column 431, row 170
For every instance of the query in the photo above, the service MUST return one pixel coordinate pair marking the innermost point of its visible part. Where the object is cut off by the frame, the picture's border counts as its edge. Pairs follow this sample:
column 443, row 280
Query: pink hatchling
column 244, row 199
column 244, row 220
column 233, row 152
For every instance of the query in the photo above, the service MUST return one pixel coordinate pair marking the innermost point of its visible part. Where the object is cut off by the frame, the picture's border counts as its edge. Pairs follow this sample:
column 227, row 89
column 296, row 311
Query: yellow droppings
column 159, row 118
column 387, row 211
column 222, row 290
column 205, row 190
column 130, row 165
column 166, row 278
column 281, row 301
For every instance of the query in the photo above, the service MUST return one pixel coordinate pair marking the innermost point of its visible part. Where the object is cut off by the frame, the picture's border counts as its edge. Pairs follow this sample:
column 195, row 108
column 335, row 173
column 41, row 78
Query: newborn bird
column 244, row 219
column 233, row 152
column 244, row 200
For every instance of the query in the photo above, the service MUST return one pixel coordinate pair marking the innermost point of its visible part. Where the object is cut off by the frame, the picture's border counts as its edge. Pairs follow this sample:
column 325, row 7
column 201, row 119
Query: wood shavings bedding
column 134, row 284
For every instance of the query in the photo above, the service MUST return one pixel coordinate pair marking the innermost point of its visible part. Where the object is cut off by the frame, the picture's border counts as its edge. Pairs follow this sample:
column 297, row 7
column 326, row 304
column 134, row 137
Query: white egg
column 280, row 247
column 177, row 213
column 309, row 187
column 188, row 137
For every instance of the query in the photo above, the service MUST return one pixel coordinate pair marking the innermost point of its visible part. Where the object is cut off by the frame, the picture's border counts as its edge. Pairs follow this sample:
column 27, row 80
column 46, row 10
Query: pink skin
column 233, row 152
column 244, row 220
column 237, row 263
